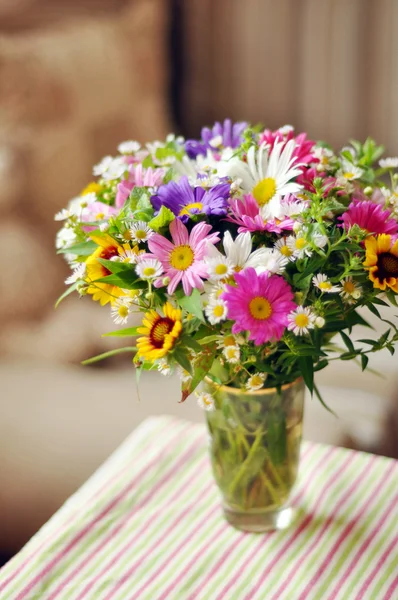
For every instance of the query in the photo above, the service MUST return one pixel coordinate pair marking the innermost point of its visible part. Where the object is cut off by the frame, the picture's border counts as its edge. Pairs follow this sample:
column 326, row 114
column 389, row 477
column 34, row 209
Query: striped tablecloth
column 148, row 525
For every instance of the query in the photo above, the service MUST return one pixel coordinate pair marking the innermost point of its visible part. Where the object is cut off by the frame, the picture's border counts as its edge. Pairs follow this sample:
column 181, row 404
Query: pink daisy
column 369, row 216
column 138, row 176
column 304, row 147
column 97, row 211
column 246, row 214
column 182, row 259
column 259, row 304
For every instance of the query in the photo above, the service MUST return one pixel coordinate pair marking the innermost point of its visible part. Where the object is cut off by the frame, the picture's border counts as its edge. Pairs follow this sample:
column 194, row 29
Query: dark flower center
column 160, row 329
column 387, row 265
column 107, row 254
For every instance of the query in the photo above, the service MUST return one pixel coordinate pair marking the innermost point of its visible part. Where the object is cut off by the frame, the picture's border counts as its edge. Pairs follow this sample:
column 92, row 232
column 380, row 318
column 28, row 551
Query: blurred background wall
column 76, row 78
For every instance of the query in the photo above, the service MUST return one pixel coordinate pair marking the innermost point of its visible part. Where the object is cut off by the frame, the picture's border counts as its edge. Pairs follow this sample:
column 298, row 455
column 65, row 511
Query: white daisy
column 239, row 253
column 322, row 282
column 65, row 238
column 299, row 246
column 141, row 232
column 389, row 163
column 301, row 320
column 127, row 255
column 349, row 172
column 350, row 290
column 120, row 310
column 255, row 382
column 285, row 249
column 78, row 273
column 206, row 401
column 129, row 147
column 267, row 175
column 232, row 354
column 286, row 129
column 219, row 267
column 63, row 214
column 163, row 366
column 216, row 311
column 110, row 168
column 149, row 268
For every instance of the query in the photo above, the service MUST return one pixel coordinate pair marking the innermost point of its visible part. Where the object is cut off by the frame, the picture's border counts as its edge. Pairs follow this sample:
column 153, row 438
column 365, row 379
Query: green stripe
column 385, row 572
column 23, row 578
column 111, row 550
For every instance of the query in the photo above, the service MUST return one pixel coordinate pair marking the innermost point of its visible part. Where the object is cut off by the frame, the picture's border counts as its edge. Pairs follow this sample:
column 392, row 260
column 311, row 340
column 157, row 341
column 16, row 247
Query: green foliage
column 162, row 220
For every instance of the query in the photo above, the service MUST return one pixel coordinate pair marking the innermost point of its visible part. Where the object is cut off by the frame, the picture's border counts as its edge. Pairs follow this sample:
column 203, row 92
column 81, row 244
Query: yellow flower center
column 325, row 285
column 302, row 320
column 218, row 311
column 348, row 287
column 206, row 400
column 182, row 257
column 140, row 234
column 348, row 175
column 260, row 308
column 197, row 206
column 256, row 381
column 100, row 216
column 127, row 235
column 231, row 352
column 149, row 271
column 229, row 340
column 123, row 311
column 300, row 243
column 221, row 269
column 285, row 250
column 92, row 187
column 264, row 190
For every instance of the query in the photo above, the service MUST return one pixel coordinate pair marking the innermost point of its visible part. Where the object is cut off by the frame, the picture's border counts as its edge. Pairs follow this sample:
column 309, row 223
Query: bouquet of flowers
column 247, row 251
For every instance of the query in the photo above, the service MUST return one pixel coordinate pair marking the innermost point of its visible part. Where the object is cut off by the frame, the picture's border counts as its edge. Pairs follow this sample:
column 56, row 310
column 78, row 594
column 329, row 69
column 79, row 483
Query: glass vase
column 255, row 452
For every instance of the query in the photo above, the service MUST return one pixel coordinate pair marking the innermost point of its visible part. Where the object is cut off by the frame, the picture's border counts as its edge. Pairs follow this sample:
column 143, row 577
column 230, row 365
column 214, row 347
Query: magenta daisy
column 259, row 304
column 246, row 214
column 182, row 258
column 369, row 216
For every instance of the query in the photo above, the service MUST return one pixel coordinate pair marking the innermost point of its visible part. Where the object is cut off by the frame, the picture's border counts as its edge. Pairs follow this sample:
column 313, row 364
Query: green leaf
column 200, row 369
column 189, row 341
column 180, row 356
column 373, row 310
column 307, row 370
column 163, row 219
column 347, row 341
column 99, row 357
column 81, row 249
column 191, row 303
column 130, row 331
column 116, row 266
column 66, row 293
column 364, row 361
column 208, row 339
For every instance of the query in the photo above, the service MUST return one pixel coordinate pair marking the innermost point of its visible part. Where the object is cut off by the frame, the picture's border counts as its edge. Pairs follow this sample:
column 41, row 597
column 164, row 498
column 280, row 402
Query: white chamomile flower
column 78, row 205
column 184, row 375
column 349, row 171
column 78, row 273
column 163, row 366
column 141, row 232
column 319, row 240
column 350, row 290
column 232, row 354
column 324, row 155
column 389, row 163
column 293, row 209
column 299, row 246
column 255, row 382
column 149, row 268
column 267, row 175
column 206, row 401
column 110, row 168
column 285, row 249
column 286, row 129
column 239, row 253
column 227, row 340
column 63, row 214
column 219, row 267
column 216, row 311
column 301, row 320
column 120, row 310
column 127, row 255
column 274, row 262
column 322, row 282
column 65, row 238
column 129, row 147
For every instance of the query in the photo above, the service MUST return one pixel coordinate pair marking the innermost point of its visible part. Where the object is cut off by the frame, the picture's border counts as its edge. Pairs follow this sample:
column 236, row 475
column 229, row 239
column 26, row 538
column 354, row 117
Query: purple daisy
column 230, row 133
column 184, row 200
column 369, row 216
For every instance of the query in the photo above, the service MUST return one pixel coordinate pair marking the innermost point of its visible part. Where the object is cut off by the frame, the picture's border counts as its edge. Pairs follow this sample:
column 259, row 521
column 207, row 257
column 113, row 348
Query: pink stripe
column 391, row 589
column 203, row 550
column 363, row 549
column 86, row 529
column 150, row 521
column 56, row 533
column 115, row 530
column 153, row 576
column 346, row 531
column 296, row 500
column 377, row 568
column 328, row 522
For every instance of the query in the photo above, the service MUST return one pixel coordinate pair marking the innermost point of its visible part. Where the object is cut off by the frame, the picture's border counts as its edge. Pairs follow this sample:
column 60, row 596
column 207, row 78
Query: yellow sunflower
column 382, row 261
column 92, row 187
column 107, row 249
column 160, row 332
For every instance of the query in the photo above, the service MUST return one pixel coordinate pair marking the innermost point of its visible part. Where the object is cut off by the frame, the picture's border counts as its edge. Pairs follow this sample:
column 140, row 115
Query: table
column 148, row 525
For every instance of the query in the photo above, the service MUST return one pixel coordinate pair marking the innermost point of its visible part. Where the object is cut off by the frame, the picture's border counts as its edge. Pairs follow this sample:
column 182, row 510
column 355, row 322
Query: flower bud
column 319, row 322
column 368, row 190
column 166, row 280
column 149, row 296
